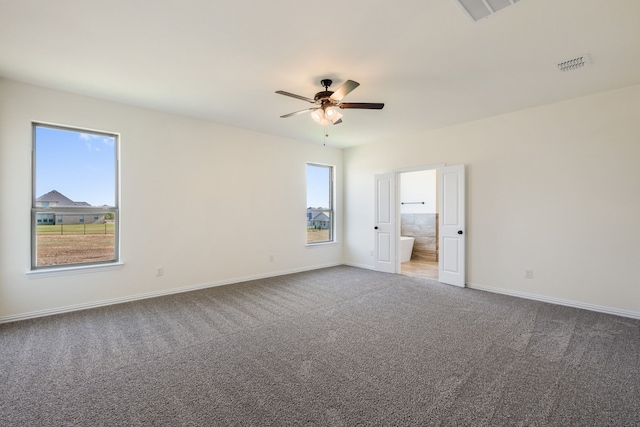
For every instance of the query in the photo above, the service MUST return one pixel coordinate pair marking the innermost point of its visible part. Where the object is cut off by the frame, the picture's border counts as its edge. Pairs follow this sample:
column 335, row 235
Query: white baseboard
column 559, row 301
column 355, row 264
column 112, row 301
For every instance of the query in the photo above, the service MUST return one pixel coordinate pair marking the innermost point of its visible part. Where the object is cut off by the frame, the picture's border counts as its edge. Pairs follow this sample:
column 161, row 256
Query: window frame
column 77, row 210
column 331, row 209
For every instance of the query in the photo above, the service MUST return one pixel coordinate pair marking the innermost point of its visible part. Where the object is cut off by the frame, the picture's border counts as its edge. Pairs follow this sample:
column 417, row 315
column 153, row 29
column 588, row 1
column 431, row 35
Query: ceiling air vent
column 573, row 64
column 480, row 9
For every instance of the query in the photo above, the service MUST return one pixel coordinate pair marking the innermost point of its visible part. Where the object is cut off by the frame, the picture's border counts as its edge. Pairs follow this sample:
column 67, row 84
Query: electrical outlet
column 528, row 274
column 270, row 258
column 159, row 271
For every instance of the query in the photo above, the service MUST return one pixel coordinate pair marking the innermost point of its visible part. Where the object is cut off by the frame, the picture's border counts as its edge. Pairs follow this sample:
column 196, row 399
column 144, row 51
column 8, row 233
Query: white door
column 385, row 223
column 451, row 196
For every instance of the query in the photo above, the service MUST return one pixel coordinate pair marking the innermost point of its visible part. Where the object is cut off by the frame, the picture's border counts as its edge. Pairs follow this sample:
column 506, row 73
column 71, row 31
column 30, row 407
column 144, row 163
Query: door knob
column 375, row 228
column 459, row 231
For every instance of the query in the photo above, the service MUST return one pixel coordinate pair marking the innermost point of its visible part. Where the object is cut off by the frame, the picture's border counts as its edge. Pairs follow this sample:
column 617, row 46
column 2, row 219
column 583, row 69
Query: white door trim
column 419, row 168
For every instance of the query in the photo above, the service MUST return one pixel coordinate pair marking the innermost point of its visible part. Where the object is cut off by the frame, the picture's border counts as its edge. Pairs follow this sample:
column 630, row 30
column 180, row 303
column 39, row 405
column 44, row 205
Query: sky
column 79, row 165
column 318, row 184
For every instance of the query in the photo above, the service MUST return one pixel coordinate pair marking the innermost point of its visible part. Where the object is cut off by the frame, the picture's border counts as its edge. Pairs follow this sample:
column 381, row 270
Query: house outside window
column 45, row 218
column 320, row 213
column 75, row 213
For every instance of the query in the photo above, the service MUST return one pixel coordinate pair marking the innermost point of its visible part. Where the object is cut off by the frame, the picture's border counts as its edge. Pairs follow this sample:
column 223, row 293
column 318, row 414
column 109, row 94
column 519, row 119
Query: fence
column 76, row 229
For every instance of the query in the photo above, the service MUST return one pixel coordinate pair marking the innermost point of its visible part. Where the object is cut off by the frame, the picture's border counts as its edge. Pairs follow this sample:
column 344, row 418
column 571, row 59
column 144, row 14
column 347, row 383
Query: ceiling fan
column 328, row 101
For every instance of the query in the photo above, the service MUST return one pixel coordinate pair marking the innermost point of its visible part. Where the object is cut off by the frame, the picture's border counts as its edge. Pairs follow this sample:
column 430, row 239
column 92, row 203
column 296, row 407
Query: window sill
column 311, row 245
column 65, row 271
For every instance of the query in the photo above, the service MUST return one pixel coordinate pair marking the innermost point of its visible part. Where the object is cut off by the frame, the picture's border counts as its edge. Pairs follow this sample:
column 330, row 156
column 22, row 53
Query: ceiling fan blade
column 363, row 105
column 293, row 95
column 297, row 112
column 344, row 90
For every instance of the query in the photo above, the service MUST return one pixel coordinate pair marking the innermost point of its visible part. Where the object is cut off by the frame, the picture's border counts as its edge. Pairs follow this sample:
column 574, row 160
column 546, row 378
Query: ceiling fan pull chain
column 326, row 134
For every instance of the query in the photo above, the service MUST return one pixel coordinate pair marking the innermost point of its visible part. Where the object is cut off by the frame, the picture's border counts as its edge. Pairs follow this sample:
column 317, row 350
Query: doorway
column 451, row 237
column 418, row 222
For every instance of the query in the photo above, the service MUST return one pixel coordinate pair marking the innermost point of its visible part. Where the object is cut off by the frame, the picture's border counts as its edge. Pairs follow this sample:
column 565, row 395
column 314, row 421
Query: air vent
column 573, row 64
column 480, row 9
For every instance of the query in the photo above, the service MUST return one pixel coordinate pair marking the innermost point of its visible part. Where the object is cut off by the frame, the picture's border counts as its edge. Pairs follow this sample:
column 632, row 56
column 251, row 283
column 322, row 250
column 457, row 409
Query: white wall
column 555, row 189
column 418, row 186
column 242, row 195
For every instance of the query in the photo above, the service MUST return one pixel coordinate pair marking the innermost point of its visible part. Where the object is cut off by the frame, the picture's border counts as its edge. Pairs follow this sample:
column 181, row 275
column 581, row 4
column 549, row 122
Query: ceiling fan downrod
column 322, row 98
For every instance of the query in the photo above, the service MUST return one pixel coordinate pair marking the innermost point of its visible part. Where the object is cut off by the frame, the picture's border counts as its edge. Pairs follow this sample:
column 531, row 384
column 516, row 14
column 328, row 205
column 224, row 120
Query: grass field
column 315, row 236
column 74, row 243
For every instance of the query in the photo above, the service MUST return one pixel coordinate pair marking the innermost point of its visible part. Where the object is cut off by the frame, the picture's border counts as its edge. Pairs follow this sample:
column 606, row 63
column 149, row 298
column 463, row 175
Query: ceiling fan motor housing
column 323, row 96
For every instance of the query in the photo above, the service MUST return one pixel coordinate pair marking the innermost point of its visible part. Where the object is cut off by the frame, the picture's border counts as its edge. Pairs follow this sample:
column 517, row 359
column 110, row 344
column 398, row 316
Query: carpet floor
column 340, row 346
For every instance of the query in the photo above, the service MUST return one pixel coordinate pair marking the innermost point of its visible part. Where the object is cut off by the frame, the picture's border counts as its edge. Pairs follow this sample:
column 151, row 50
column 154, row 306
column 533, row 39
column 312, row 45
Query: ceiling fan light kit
column 330, row 112
column 323, row 115
column 328, row 103
column 317, row 115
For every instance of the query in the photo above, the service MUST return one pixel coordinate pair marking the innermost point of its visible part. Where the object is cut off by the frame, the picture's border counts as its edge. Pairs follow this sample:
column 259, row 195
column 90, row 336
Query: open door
column 385, row 223
column 451, row 197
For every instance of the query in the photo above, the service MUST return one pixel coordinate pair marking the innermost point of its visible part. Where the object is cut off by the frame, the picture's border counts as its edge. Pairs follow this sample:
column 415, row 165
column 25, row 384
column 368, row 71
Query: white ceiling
column 222, row 61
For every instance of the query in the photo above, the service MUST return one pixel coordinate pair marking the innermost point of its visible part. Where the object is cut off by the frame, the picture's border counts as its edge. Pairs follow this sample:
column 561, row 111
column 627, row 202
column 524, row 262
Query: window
column 75, row 178
column 320, row 213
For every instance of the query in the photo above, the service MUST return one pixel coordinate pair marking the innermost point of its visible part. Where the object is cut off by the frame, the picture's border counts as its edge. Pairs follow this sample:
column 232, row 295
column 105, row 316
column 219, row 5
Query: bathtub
column 406, row 247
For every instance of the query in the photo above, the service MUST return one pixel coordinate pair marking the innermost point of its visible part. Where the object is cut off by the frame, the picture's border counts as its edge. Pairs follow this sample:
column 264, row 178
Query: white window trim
column 314, row 245
column 332, row 198
column 65, row 269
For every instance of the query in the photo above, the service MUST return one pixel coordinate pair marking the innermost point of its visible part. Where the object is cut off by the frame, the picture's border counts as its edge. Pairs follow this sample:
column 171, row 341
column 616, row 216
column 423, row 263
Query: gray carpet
column 337, row 347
